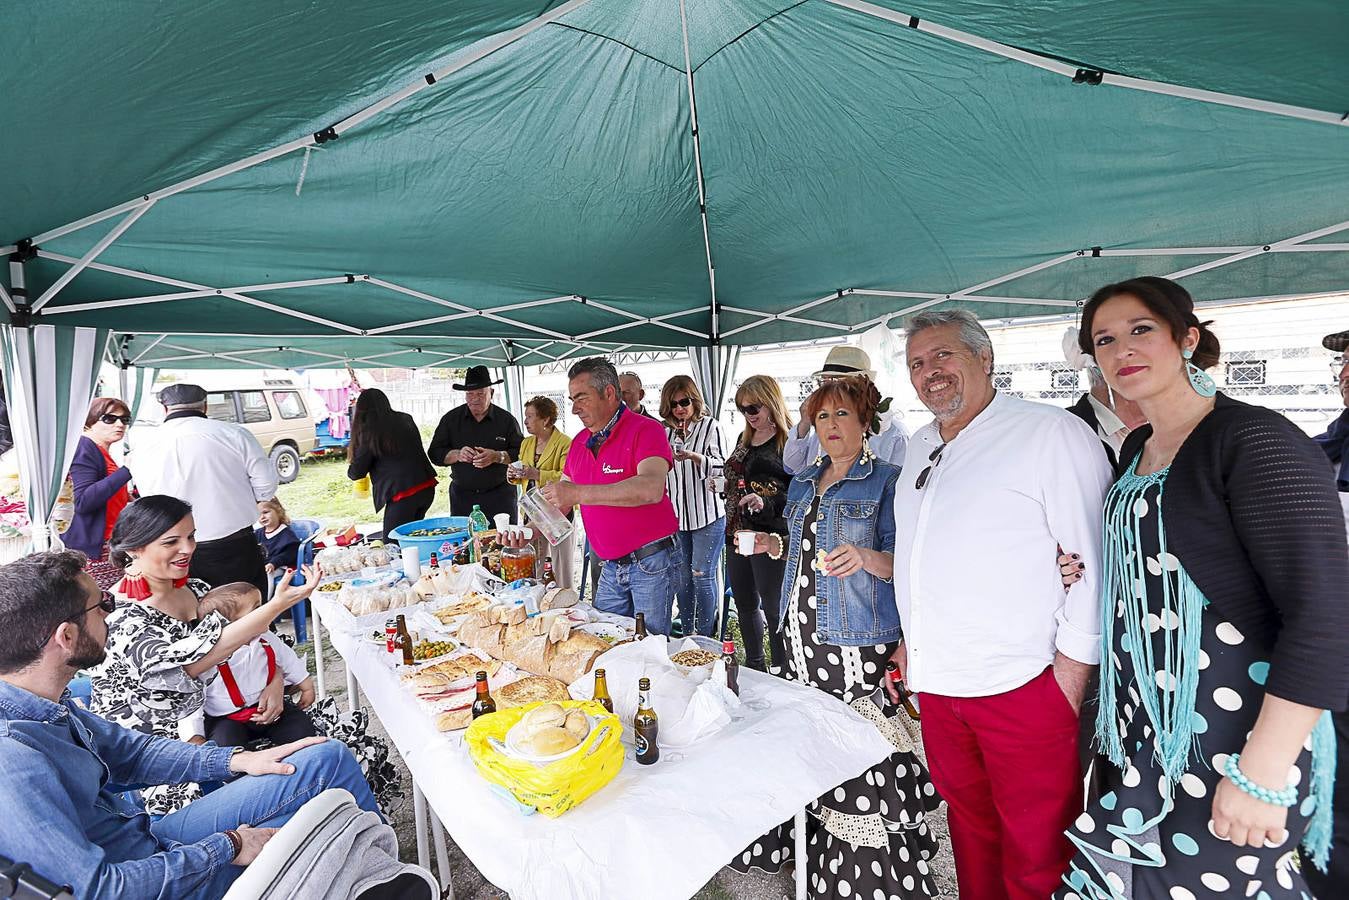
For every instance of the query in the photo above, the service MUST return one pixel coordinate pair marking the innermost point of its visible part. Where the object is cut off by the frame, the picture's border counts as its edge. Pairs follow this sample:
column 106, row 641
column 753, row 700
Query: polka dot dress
column 867, row 838
column 1144, row 837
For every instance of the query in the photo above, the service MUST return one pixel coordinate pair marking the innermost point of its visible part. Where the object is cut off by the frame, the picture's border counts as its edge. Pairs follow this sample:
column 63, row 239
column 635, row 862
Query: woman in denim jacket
column 840, row 625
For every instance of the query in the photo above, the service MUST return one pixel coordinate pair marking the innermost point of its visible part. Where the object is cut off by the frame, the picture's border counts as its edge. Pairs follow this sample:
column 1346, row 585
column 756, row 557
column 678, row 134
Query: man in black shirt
column 477, row 441
column 631, row 390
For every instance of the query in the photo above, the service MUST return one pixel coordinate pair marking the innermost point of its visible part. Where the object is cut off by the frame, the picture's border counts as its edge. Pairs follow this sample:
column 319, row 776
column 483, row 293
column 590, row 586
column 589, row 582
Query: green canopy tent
column 254, row 184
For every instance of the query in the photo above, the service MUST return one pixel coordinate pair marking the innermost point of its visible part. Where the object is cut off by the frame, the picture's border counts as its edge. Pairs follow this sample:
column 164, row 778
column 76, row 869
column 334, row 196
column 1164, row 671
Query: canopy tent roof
column 359, row 180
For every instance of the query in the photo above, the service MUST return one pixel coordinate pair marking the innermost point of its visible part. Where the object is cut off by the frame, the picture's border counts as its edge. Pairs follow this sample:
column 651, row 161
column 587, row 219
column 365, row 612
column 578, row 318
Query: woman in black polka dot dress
column 1225, row 628
column 868, row 837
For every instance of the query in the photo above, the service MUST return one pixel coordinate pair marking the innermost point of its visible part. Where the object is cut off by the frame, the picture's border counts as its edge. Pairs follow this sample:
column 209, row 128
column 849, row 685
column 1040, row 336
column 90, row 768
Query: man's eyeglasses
column 106, row 602
column 752, row 410
column 934, row 460
column 687, row 401
column 1336, row 365
column 109, row 418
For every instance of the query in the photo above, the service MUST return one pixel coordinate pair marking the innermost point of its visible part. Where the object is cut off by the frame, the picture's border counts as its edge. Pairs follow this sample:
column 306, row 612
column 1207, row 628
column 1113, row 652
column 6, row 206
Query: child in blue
column 279, row 541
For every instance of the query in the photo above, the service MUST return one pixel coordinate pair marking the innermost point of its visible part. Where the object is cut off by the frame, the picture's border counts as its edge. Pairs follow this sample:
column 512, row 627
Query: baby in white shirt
column 241, row 703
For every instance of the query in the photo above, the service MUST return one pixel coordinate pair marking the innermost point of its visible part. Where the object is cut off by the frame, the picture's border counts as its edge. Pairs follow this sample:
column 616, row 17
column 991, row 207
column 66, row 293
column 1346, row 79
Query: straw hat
column 846, row 360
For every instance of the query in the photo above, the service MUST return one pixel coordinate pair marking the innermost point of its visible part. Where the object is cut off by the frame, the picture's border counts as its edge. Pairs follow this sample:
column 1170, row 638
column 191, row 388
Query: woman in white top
column 695, row 439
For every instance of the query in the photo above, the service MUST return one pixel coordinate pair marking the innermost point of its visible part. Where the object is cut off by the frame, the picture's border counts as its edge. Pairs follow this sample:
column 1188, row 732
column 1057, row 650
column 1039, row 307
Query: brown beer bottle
column 645, row 725
column 435, row 561
column 405, row 641
column 732, row 667
column 905, row 695
column 640, row 626
column 483, row 703
column 602, row 691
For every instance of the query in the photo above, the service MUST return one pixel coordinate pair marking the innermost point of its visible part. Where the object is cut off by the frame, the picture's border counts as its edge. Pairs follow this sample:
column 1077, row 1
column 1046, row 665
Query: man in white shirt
column 803, row 445
column 220, row 469
column 1111, row 416
column 999, row 654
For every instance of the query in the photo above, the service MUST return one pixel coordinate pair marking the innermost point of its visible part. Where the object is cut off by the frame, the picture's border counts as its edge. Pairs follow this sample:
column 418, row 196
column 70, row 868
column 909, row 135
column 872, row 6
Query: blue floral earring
column 1200, row 380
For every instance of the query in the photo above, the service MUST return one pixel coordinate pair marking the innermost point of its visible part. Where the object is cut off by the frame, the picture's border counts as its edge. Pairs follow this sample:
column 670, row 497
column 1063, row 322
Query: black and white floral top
column 142, row 685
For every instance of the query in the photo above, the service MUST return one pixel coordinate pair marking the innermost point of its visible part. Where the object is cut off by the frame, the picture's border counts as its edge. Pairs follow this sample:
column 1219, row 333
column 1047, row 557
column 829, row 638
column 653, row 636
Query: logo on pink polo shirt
column 610, row 470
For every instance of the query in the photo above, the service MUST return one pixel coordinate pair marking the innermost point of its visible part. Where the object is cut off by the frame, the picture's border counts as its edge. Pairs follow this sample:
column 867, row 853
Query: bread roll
column 559, row 598
column 577, row 725
column 549, row 741
column 550, row 715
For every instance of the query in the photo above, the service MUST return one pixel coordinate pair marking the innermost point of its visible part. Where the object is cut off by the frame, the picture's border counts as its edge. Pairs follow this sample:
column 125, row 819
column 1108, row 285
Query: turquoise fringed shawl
column 1172, row 712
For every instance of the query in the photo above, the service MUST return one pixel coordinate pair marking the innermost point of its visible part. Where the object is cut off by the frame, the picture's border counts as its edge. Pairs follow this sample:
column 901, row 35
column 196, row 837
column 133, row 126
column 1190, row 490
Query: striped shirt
column 694, row 502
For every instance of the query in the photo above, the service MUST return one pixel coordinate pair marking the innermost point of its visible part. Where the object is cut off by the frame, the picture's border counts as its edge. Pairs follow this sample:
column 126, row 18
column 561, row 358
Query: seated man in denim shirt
column 63, row 769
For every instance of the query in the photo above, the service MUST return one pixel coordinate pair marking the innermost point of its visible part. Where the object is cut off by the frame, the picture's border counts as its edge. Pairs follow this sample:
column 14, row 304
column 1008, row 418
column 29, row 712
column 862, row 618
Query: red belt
column 244, row 713
column 416, row 489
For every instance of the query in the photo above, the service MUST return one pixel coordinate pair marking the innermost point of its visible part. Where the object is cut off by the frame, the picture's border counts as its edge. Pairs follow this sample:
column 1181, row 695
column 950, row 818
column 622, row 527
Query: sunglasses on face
column 752, row 410
column 109, row 418
column 935, row 460
column 687, row 401
column 106, row 602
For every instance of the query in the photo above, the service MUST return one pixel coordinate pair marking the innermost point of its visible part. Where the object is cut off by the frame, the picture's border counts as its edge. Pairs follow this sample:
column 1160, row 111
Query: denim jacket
column 61, row 769
column 858, row 509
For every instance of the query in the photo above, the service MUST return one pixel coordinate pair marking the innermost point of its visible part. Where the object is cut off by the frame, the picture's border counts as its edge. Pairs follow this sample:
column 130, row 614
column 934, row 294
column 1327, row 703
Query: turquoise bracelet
column 1285, row 798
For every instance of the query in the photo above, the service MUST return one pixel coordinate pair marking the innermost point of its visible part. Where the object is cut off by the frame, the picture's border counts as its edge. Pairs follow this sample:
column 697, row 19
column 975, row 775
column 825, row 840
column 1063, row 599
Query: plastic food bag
column 551, row 788
column 360, row 488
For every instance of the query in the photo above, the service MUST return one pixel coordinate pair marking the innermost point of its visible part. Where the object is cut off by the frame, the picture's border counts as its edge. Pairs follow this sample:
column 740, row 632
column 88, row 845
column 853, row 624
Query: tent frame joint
column 1088, row 76
column 326, row 135
column 24, row 250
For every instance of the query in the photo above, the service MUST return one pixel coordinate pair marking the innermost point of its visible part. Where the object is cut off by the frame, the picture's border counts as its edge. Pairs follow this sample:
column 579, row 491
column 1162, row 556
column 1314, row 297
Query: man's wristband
column 236, row 842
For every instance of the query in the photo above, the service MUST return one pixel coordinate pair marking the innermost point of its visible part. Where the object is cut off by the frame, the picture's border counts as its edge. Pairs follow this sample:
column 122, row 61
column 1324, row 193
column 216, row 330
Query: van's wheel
column 287, row 461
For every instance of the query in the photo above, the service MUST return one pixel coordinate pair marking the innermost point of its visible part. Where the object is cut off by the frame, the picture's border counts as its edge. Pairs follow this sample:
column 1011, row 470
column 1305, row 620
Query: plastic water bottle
column 477, row 524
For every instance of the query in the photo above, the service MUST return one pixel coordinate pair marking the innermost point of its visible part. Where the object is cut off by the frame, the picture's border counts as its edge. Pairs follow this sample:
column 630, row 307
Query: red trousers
column 1008, row 767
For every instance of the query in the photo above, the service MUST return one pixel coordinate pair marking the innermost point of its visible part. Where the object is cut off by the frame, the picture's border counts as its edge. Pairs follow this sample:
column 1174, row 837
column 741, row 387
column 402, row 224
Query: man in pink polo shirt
column 616, row 472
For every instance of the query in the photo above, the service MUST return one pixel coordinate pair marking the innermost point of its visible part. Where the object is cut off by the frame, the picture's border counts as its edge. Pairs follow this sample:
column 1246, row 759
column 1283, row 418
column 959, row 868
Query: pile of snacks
column 335, row 560
column 432, row 649
column 692, row 659
column 549, row 730
column 366, row 596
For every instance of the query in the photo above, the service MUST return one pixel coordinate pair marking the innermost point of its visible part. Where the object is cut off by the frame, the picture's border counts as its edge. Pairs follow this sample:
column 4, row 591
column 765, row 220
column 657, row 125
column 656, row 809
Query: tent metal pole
column 103, row 244
column 403, row 326
column 702, row 187
column 205, row 292
column 7, row 299
column 1256, row 251
column 471, row 55
column 137, row 358
column 486, row 314
column 1072, row 71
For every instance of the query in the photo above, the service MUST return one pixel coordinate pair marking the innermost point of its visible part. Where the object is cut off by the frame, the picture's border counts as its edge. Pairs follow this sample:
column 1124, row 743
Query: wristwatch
column 230, row 762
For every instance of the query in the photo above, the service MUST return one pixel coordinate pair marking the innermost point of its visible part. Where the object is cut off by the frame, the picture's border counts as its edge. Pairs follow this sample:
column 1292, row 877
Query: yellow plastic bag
column 360, row 488
column 551, row 788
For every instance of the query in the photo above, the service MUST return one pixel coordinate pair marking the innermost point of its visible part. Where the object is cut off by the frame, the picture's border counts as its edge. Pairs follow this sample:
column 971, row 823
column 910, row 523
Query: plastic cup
column 744, row 542
column 502, row 521
column 412, row 563
column 719, row 483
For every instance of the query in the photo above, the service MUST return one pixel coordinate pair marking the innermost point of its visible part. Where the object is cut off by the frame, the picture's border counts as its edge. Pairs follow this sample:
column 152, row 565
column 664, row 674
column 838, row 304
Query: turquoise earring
column 1200, row 380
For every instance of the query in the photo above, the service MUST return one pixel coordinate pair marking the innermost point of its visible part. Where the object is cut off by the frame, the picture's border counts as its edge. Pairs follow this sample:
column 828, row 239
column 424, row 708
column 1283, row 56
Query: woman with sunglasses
column 161, row 640
column 695, row 441
column 756, row 494
column 869, row 836
column 100, row 484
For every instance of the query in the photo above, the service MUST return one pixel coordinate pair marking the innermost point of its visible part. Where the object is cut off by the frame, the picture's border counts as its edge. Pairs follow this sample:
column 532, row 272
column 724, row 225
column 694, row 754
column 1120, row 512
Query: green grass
column 323, row 492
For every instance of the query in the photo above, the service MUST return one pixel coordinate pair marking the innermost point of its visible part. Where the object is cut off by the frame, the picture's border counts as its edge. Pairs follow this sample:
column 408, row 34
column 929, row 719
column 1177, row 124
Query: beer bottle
column 435, row 563
column 905, row 695
column 732, row 667
column 645, row 726
column 405, row 641
column 640, row 627
column 549, row 579
column 602, row 691
column 483, row 703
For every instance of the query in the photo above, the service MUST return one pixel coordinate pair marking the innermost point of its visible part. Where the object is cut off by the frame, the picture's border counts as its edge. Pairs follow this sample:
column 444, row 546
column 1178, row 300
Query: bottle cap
column 892, row 671
column 599, row 673
column 644, row 684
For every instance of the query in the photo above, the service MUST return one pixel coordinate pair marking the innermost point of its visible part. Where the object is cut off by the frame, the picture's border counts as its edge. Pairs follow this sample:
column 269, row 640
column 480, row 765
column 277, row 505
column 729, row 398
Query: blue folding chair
column 306, row 530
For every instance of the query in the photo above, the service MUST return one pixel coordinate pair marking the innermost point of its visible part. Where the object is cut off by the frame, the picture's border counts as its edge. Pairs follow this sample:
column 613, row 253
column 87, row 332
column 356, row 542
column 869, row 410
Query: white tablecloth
column 654, row 832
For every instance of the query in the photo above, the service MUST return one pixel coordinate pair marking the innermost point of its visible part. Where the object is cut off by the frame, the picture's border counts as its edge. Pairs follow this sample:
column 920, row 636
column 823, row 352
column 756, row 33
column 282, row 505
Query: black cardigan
column 395, row 472
column 1252, row 513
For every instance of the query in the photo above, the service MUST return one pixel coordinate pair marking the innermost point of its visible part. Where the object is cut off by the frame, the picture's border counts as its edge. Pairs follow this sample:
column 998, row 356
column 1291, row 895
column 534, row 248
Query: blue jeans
column 646, row 586
column 265, row 801
column 697, row 592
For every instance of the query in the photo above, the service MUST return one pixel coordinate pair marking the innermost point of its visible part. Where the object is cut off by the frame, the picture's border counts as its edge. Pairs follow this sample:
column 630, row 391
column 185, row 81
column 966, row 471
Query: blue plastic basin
column 442, row 545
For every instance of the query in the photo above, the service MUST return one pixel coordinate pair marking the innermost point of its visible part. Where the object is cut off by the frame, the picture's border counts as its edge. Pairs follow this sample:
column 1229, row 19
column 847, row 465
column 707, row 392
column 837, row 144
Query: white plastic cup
column 744, row 542
column 412, row 563
column 719, row 483
column 502, row 521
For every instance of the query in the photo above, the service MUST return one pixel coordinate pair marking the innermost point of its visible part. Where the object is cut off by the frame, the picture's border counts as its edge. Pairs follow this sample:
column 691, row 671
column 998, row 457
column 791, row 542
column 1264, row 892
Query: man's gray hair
column 972, row 334
column 602, row 373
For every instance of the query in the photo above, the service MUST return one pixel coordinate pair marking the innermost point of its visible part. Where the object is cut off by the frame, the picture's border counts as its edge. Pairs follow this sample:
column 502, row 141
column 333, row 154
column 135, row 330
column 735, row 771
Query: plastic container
column 442, row 544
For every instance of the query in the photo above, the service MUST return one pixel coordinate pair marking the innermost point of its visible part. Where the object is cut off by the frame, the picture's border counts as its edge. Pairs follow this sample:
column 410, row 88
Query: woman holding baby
column 170, row 633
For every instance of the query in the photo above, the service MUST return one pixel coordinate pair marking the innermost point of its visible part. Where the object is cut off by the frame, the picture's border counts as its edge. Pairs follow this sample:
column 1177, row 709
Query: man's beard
column 87, row 653
column 950, row 410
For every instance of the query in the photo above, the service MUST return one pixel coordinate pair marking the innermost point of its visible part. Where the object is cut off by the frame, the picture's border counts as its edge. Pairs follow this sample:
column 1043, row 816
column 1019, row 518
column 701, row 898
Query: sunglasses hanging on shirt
column 935, row 460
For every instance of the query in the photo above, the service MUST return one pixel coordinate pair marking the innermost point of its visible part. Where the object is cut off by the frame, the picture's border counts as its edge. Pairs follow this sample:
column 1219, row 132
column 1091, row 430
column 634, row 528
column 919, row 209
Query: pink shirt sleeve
column 651, row 441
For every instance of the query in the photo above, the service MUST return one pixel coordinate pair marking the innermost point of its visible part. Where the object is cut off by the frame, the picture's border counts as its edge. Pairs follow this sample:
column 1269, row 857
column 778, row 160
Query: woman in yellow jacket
column 542, row 455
